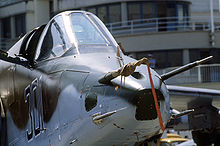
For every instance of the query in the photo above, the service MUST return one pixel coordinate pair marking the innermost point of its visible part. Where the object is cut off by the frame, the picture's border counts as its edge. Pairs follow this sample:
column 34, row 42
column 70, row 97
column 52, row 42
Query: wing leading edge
column 188, row 97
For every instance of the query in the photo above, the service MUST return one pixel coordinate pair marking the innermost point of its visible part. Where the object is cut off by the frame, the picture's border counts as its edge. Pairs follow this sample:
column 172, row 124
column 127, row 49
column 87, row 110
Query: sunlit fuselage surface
column 59, row 98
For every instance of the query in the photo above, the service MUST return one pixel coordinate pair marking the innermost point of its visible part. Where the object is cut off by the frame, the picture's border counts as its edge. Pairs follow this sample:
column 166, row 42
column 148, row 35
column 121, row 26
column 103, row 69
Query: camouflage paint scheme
column 54, row 101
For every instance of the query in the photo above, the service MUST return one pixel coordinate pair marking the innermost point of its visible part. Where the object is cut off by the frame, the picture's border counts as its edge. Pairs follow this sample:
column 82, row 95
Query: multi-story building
column 175, row 32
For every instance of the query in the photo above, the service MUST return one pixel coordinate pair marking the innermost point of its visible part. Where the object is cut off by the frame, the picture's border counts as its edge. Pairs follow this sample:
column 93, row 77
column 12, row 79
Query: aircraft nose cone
column 139, row 84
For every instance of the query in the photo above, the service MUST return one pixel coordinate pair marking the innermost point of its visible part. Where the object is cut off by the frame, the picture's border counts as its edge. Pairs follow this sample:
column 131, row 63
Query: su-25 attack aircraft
column 68, row 83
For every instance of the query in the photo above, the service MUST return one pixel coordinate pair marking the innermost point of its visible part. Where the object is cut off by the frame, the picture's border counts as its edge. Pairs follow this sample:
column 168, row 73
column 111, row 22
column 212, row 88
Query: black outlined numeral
column 33, row 96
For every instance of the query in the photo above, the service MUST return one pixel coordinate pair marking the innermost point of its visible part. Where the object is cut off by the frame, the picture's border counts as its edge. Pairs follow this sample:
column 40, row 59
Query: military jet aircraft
column 68, row 83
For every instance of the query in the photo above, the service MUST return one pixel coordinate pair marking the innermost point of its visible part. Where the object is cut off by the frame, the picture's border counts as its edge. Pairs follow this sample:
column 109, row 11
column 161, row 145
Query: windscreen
column 74, row 33
column 85, row 31
column 90, row 36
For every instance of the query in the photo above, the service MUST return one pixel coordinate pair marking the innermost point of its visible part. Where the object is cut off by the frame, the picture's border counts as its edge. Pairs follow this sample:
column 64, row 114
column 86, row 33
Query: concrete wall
column 41, row 12
column 203, row 5
column 30, row 20
column 74, row 4
column 167, row 40
column 36, row 12
column 202, row 8
column 11, row 10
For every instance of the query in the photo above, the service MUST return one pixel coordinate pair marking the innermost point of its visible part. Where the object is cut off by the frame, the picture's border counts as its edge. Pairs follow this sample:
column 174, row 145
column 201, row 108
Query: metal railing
column 6, row 43
column 199, row 74
column 162, row 24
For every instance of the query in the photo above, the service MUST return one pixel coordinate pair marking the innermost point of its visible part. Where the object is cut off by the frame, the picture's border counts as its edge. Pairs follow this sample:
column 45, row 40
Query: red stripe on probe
column 155, row 99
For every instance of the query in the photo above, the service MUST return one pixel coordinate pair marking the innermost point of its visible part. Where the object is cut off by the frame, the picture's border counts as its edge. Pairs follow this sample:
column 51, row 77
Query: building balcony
column 165, row 24
column 169, row 39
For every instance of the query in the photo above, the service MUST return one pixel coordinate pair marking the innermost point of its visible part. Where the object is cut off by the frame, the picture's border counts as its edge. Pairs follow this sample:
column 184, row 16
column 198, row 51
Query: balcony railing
column 163, row 24
column 199, row 74
column 151, row 25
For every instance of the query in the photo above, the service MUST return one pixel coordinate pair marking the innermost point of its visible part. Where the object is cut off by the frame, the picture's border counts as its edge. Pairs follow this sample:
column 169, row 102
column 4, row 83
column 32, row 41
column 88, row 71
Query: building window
column 6, row 28
column 216, row 55
column 148, row 10
column 161, row 59
column 185, row 9
column 102, row 13
column 180, row 13
column 134, row 11
column 159, row 56
column 114, row 13
column 92, row 10
column 109, row 13
column 171, row 10
column 174, row 58
column 141, row 10
column 171, row 14
column 164, row 59
column 20, row 25
column 197, row 54
column 194, row 55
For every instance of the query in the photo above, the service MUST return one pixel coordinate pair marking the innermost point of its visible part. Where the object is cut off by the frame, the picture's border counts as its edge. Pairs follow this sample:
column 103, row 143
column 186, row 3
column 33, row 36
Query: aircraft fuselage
column 59, row 102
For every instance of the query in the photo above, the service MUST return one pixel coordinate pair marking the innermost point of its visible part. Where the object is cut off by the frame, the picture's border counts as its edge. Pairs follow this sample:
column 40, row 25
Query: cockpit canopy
column 68, row 33
column 75, row 32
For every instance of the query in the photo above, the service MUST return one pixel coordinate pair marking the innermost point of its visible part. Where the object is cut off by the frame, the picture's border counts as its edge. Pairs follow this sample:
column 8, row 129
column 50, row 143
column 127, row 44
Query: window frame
column 41, row 40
